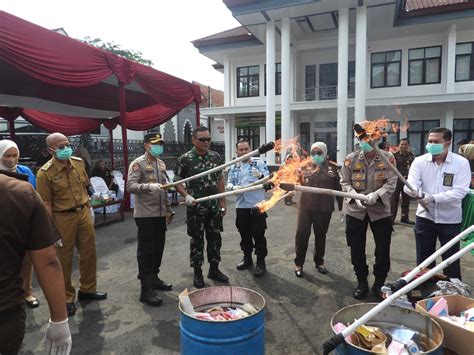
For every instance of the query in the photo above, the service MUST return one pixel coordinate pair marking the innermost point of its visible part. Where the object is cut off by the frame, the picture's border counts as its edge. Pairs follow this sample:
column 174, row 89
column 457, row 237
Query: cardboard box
column 456, row 338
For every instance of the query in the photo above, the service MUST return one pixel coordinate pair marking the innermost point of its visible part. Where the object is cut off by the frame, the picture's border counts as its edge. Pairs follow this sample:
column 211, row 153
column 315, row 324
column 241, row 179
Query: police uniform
column 206, row 216
column 64, row 188
column 316, row 210
column 150, row 210
column 364, row 176
column 403, row 162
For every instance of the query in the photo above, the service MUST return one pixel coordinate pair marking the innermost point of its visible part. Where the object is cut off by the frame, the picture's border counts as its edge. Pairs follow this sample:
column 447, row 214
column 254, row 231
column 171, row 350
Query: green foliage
column 118, row 50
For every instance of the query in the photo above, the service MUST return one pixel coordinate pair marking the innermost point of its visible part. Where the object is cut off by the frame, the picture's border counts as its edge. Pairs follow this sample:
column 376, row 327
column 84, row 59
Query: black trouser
column 151, row 242
column 356, row 231
column 396, row 198
column 251, row 226
column 426, row 234
column 320, row 222
column 12, row 330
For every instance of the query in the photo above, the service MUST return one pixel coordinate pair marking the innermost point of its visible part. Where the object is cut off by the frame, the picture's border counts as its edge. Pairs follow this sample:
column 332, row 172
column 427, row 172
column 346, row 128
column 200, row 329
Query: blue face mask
column 435, row 148
column 156, row 150
column 318, row 159
column 366, row 147
column 63, row 154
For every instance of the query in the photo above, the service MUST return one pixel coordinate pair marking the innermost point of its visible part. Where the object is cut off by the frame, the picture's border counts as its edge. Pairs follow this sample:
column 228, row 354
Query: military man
column 152, row 214
column 62, row 183
column 403, row 159
column 365, row 172
column 250, row 223
column 204, row 217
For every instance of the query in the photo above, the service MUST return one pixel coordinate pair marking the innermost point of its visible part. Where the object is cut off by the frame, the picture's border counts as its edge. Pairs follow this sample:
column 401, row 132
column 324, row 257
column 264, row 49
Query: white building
column 312, row 68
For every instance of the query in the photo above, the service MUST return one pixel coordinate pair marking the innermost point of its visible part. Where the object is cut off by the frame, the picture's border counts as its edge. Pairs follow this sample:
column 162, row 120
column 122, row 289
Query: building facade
column 312, row 69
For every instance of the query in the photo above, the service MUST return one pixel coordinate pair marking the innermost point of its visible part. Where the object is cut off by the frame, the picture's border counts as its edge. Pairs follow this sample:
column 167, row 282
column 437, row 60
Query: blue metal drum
column 392, row 316
column 240, row 336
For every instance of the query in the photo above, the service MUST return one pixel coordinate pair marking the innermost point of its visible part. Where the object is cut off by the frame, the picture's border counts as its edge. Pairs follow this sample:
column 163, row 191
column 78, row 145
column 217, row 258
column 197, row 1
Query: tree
column 118, row 50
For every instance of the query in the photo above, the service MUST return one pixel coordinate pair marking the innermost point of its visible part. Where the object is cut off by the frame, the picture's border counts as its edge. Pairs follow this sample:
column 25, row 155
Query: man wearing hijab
column 316, row 211
column 62, row 183
column 10, row 154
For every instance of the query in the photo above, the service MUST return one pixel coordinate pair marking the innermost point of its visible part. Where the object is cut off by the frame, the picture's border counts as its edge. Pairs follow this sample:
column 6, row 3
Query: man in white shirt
column 442, row 180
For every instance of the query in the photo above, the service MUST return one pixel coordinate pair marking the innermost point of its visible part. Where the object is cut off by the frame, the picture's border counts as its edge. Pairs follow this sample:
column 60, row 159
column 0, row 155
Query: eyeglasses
column 317, row 153
column 204, row 139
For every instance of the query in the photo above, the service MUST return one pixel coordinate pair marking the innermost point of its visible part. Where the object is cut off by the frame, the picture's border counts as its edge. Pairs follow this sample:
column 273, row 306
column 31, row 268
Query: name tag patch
column 448, row 179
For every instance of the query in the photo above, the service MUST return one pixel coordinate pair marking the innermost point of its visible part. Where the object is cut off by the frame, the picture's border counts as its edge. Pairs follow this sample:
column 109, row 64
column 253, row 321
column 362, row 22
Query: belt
column 71, row 210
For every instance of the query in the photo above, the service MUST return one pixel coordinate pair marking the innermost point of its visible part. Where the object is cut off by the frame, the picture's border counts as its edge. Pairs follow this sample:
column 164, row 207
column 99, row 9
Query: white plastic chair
column 118, row 179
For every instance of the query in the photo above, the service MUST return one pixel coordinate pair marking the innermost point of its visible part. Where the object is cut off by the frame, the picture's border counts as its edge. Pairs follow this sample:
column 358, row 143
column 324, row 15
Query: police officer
column 366, row 173
column 315, row 210
column 250, row 223
column 403, row 159
column 204, row 217
column 152, row 213
column 62, row 183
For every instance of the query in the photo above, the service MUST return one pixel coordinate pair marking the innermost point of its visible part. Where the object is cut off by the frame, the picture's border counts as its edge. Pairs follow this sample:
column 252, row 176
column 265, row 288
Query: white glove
column 411, row 193
column 153, row 187
column 427, row 199
column 341, row 216
column 92, row 213
column 231, row 187
column 372, row 198
column 58, row 338
column 256, row 173
column 190, row 201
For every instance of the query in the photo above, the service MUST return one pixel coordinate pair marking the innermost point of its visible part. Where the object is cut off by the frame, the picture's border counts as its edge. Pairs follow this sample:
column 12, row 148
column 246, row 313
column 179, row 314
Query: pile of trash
column 398, row 340
column 465, row 319
column 216, row 313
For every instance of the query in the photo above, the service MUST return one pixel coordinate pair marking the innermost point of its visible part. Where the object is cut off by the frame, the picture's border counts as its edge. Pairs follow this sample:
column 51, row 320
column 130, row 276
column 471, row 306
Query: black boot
column 377, row 288
column 159, row 284
column 216, row 275
column 245, row 263
column 405, row 219
column 361, row 290
column 260, row 269
column 150, row 298
column 198, row 278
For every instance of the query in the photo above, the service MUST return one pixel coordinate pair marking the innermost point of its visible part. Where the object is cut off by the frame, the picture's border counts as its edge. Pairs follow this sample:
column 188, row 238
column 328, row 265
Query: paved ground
column 298, row 310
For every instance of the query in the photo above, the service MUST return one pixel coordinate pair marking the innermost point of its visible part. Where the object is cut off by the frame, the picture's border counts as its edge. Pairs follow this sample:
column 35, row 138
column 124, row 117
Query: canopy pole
column 123, row 122
column 198, row 114
column 111, row 148
column 11, row 127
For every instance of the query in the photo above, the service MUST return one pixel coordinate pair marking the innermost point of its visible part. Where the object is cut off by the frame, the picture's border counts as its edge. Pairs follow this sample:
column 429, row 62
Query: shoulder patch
column 392, row 160
column 47, row 165
column 135, row 167
column 347, row 162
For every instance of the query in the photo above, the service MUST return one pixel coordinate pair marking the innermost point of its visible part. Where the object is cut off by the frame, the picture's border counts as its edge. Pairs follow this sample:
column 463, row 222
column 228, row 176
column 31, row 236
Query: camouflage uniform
column 205, row 216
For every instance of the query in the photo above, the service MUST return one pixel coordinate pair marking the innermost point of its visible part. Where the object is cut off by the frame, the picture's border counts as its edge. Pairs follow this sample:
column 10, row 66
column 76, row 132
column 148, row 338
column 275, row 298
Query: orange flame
column 376, row 129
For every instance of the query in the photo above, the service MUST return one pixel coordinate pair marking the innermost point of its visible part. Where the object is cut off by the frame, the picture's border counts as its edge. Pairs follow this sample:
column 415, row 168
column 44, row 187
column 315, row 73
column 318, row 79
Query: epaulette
column 76, row 158
column 47, row 165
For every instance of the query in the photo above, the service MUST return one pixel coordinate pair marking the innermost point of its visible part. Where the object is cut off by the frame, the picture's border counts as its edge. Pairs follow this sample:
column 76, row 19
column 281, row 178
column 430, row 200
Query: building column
column 270, row 99
column 228, row 138
column 285, row 81
column 449, row 118
column 342, row 82
column 227, row 81
column 451, row 59
column 361, row 63
column 175, row 124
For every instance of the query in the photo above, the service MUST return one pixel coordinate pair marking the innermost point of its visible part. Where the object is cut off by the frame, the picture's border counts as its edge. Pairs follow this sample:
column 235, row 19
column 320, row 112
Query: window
column 247, row 81
column 462, row 129
column 328, row 81
column 310, row 83
column 464, row 62
column 250, row 134
column 305, row 135
column 385, row 69
column 418, row 134
column 277, row 79
column 424, row 66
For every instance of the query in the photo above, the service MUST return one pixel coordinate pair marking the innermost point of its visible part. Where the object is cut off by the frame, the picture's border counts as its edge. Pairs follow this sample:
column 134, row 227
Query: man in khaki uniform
column 61, row 183
column 152, row 214
column 365, row 173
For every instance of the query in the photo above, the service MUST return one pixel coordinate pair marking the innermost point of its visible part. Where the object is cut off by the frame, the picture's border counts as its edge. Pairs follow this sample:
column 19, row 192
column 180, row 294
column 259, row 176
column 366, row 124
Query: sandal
column 322, row 269
column 33, row 303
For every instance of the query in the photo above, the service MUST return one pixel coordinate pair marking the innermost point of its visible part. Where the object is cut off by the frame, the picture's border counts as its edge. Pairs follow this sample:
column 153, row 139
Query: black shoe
column 93, row 296
column 377, row 290
column 160, row 285
column 150, row 298
column 299, row 272
column 71, row 309
column 245, row 263
column 322, row 269
column 33, row 303
column 361, row 290
column 406, row 220
column 198, row 279
column 216, row 275
column 260, row 269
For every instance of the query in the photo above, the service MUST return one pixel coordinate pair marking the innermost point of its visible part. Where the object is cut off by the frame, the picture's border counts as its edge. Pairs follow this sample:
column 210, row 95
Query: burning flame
column 289, row 172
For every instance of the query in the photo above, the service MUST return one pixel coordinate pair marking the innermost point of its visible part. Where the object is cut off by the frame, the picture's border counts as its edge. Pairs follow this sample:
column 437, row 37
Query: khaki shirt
column 143, row 172
column 364, row 177
column 63, row 186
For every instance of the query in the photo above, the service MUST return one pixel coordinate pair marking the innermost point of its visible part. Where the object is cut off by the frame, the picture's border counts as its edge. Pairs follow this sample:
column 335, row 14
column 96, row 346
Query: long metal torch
column 319, row 190
column 230, row 193
column 262, row 150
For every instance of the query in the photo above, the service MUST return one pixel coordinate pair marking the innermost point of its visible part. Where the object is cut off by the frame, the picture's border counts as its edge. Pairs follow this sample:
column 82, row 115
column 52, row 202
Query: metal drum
column 391, row 316
column 240, row 336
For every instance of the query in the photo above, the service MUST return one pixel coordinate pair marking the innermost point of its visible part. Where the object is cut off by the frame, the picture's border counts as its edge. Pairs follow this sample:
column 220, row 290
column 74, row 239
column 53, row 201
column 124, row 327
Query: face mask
column 366, row 147
column 435, row 148
column 318, row 159
column 63, row 154
column 156, row 150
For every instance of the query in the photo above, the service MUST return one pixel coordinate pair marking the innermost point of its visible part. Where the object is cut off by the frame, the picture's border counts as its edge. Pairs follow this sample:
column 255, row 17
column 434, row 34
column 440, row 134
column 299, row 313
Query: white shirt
column 448, row 183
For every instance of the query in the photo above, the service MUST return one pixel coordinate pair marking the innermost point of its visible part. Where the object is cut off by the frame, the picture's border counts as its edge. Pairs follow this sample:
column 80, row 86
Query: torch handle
column 230, row 193
column 318, row 190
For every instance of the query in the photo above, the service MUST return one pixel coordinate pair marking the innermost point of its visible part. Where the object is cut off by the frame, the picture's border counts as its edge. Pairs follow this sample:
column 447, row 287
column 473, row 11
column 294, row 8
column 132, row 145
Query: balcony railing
column 320, row 93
